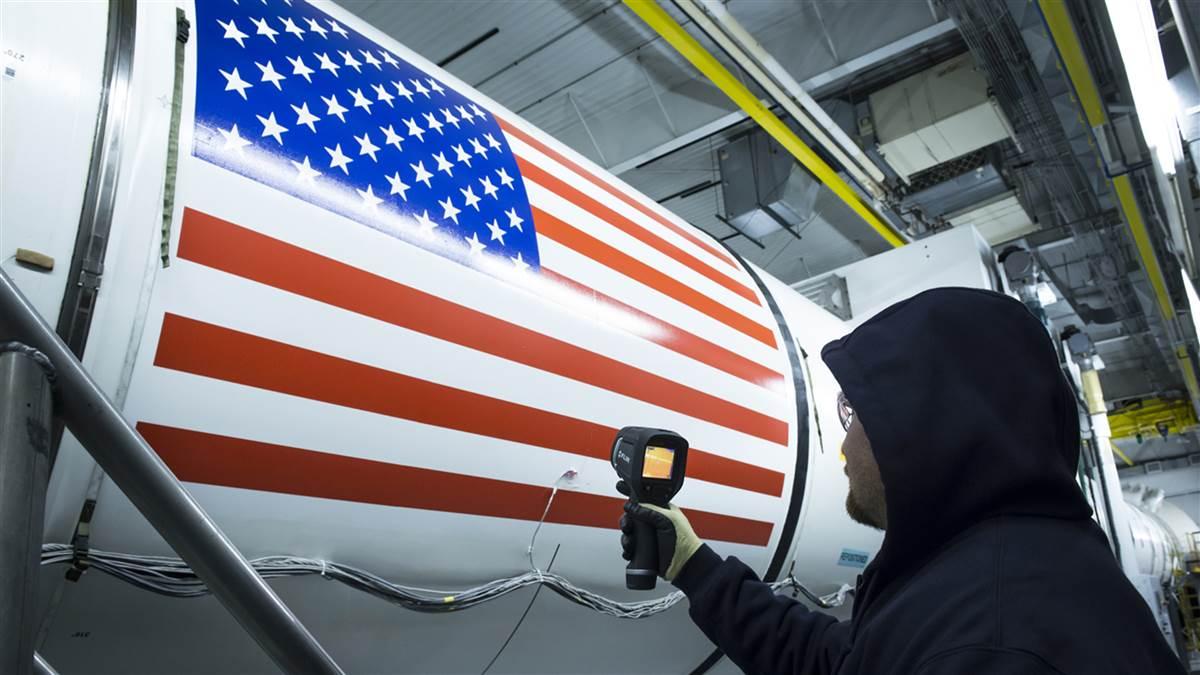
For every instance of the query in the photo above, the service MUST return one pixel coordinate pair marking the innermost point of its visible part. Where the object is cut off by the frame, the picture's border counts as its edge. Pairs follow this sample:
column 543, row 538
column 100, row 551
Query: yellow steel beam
column 1070, row 51
column 698, row 56
column 1151, row 417
column 1062, row 32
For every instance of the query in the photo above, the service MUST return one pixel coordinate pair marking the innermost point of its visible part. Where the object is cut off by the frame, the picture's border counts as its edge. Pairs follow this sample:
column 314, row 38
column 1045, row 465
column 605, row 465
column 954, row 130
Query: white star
column 476, row 245
column 234, row 140
column 327, row 63
column 316, row 28
column 338, row 160
column 232, row 32
column 371, row 60
column 333, row 26
column 303, row 116
column 497, row 231
column 478, row 113
column 393, row 138
column 414, row 130
column 432, row 124
column 514, row 221
column 264, row 29
column 520, row 264
column 399, row 187
column 272, row 128
column 478, row 148
column 387, row 57
column 234, row 82
column 382, row 95
column 361, row 101
column 335, row 108
column 270, row 75
column 351, row 61
column 505, row 179
column 298, row 68
column 307, row 172
column 471, row 200
column 465, row 114
column 489, row 189
column 402, row 90
column 461, row 155
column 370, row 201
column 492, row 142
column 450, row 118
column 366, row 147
column 444, row 164
column 449, row 210
column 291, row 27
column 420, row 88
column 426, row 223
column 435, row 86
column 423, row 176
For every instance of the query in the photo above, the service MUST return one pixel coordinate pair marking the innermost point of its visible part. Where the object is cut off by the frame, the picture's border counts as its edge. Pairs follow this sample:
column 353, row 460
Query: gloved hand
column 676, row 540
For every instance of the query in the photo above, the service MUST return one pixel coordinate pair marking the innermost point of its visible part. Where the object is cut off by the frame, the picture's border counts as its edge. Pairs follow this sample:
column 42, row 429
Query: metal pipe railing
column 26, row 408
column 157, row 493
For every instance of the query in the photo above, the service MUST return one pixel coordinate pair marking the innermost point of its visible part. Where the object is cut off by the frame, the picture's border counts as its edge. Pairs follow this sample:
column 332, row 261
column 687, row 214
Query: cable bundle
column 173, row 577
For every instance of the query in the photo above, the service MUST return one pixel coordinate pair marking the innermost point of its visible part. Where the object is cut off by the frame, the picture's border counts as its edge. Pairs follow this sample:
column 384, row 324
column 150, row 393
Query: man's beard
column 858, row 512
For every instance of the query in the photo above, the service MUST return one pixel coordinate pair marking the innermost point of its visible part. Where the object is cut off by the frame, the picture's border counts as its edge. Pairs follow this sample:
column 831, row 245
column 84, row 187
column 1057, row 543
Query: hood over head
column 969, row 417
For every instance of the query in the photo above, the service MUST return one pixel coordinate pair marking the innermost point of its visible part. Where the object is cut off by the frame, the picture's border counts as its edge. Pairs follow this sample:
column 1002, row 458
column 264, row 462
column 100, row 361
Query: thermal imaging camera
column 652, row 463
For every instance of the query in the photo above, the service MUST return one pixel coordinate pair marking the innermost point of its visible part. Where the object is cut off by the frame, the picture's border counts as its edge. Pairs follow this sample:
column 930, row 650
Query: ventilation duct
column 935, row 116
column 764, row 189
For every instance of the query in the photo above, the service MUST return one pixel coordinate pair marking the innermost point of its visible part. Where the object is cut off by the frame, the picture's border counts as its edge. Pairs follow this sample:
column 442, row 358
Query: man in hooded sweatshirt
column 962, row 446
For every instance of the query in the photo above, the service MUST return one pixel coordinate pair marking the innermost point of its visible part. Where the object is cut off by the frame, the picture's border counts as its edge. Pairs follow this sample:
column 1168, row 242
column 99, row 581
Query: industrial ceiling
column 597, row 77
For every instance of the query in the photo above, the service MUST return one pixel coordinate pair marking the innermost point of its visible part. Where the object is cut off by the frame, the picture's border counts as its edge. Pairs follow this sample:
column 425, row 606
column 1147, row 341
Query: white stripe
column 268, row 313
column 217, row 407
column 557, row 313
column 595, row 275
column 577, row 217
column 569, row 176
column 455, row 550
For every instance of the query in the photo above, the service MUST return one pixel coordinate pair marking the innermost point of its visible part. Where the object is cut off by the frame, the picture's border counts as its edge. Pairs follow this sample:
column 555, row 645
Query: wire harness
column 174, row 578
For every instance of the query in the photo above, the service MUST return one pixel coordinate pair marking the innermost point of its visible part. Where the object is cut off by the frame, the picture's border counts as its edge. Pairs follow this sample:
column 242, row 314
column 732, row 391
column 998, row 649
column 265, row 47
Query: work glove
column 676, row 540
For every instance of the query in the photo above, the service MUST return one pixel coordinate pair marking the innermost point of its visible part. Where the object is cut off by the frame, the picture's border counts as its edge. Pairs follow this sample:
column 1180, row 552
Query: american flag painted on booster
column 356, row 130
column 587, row 308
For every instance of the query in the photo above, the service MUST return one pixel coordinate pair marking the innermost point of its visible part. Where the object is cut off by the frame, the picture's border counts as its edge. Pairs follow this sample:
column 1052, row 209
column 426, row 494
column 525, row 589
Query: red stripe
column 676, row 339
column 220, row 244
column 199, row 457
column 609, row 256
column 615, row 192
column 535, row 173
column 213, row 351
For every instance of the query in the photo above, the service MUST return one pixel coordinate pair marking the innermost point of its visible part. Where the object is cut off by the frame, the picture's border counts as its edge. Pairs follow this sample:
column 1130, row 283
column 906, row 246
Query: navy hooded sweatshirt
column 991, row 563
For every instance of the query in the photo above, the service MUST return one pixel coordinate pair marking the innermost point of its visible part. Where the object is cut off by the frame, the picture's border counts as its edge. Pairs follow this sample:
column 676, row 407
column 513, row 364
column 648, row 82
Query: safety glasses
column 845, row 412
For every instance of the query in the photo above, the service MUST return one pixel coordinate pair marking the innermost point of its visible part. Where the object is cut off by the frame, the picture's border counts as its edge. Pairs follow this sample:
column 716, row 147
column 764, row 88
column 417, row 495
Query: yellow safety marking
column 698, row 56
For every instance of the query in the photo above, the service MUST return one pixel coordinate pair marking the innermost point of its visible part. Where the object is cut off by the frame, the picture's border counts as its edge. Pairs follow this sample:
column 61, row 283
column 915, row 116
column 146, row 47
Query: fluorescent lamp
column 1155, row 102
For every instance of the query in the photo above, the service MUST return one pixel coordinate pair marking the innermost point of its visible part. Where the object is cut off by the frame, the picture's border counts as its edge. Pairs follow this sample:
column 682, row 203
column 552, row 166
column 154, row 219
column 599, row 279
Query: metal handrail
column 152, row 487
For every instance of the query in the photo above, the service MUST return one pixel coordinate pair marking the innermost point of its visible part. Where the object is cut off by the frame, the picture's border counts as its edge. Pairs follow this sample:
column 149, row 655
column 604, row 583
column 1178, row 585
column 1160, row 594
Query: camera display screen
column 658, row 462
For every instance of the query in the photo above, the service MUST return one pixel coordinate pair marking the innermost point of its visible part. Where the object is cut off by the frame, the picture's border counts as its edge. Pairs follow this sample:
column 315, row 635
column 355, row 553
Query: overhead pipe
column 784, row 88
column 675, row 35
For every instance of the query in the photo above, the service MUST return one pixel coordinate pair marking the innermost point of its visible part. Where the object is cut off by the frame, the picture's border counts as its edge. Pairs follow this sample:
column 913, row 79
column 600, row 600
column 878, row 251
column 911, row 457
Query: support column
column 1093, row 395
column 25, row 410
